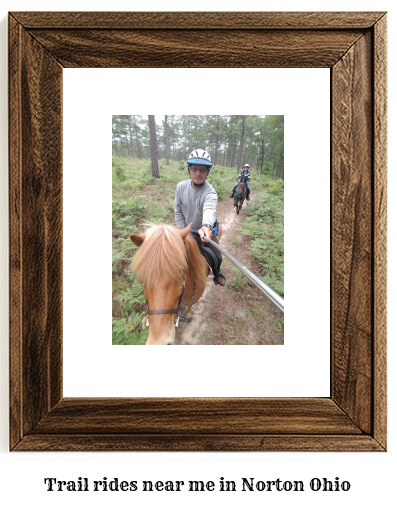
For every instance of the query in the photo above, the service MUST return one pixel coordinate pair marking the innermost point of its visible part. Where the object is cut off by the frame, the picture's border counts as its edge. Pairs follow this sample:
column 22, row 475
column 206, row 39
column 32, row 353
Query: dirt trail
column 220, row 312
column 189, row 334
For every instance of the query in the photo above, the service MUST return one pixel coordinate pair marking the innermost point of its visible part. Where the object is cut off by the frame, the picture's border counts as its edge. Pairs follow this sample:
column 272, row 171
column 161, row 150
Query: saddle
column 209, row 255
column 206, row 251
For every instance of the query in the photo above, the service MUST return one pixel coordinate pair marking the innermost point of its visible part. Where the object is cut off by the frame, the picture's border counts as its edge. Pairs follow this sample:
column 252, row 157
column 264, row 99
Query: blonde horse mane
column 161, row 256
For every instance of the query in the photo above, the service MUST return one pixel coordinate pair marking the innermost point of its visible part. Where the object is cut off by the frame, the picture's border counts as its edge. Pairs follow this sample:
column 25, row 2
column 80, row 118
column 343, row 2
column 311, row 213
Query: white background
column 371, row 475
column 287, row 370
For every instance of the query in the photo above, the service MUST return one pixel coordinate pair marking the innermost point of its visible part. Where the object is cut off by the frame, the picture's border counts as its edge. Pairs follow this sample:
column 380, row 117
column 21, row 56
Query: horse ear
column 184, row 232
column 137, row 240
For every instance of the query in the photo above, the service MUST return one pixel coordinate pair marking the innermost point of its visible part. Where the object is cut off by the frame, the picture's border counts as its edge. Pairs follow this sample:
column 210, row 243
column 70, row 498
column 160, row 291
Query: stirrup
column 232, row 195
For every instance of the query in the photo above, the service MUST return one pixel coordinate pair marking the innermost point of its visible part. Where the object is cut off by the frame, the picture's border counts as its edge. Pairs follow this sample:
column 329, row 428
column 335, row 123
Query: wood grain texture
column 15, row 228
column 380, row 229
column 200, row 21
column 196, row 48
column 352, row 232
column 36, row 187
column 199, row 443
column 353, row 45
column 173, row 416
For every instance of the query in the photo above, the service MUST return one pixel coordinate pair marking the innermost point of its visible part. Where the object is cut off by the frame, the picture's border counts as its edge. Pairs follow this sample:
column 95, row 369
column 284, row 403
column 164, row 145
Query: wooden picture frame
column 353, row 46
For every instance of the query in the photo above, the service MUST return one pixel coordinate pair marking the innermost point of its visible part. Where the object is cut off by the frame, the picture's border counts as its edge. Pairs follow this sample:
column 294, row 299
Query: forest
column 232, row 140
column 149, row 159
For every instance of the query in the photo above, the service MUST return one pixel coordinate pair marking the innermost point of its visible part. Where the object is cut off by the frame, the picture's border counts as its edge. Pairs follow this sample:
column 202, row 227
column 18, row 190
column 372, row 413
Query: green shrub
column 277, row 187
column 128, row 331
column 118, row 170
column 239, row 282
column 265, row 226
column 127, row 213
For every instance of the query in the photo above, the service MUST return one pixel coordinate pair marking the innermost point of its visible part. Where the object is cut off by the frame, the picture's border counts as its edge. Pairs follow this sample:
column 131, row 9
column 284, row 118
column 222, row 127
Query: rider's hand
column 205, row 230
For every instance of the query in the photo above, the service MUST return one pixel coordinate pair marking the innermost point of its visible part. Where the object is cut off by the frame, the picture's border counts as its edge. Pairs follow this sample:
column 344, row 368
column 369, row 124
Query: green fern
column 128, row 331
column 131, row 298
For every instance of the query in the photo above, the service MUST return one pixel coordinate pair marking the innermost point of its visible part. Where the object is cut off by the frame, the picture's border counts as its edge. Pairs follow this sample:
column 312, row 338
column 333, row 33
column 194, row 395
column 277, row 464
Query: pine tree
column 153, row 147
column 136, row 130
column 241, row 146
column 129, row 122
column 167, row 146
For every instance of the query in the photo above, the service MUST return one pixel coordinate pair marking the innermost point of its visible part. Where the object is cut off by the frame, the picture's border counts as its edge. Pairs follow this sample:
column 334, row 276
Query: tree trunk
column 216, row 143
column 240, row 151
column 272, row 158
column 262, row 154
column 216, row 150
column 167, row 146
column 153, row 147
column 190, row 136
column 227, row 150
column 173, row 137
column 280, row 166
column 129, row 129
column 233, row 155
column 137, row 140
column 127, row 144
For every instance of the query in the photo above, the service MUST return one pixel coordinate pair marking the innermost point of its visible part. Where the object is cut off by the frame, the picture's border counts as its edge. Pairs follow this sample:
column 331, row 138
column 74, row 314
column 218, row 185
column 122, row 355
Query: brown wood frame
column 353, row 46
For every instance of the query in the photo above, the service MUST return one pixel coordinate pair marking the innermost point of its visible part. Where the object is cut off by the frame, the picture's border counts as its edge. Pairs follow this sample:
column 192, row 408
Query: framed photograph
column 146, row 190
column 353, row 46
column 93, row 95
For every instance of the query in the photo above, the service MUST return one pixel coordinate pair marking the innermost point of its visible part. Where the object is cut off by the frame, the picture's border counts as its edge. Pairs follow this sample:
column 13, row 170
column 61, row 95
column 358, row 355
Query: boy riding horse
column 245, row 177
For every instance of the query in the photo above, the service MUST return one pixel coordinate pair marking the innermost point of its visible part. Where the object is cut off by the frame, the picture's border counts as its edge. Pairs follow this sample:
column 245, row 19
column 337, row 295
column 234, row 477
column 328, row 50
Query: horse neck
column 198, row 267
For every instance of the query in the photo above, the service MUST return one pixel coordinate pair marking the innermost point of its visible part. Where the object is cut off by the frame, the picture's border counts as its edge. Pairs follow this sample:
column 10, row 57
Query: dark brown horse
column 239, row 196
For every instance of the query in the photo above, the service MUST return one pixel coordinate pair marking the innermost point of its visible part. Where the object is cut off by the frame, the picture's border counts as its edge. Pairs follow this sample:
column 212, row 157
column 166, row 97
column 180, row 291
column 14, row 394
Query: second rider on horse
column 245, row 177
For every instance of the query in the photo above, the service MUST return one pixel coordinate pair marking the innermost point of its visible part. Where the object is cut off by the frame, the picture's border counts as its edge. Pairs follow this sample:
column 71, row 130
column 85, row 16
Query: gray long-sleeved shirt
column 196, row 205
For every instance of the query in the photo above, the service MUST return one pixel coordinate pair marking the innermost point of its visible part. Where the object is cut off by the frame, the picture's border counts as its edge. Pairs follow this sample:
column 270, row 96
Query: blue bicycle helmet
column 200, row 157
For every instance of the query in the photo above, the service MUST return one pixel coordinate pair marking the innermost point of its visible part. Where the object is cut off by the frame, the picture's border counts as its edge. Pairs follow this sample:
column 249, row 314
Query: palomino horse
column 239, row 197
column 170, row 266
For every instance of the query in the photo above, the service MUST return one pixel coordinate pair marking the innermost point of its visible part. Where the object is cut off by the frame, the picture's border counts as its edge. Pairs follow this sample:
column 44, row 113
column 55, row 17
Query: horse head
column 160, row 264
